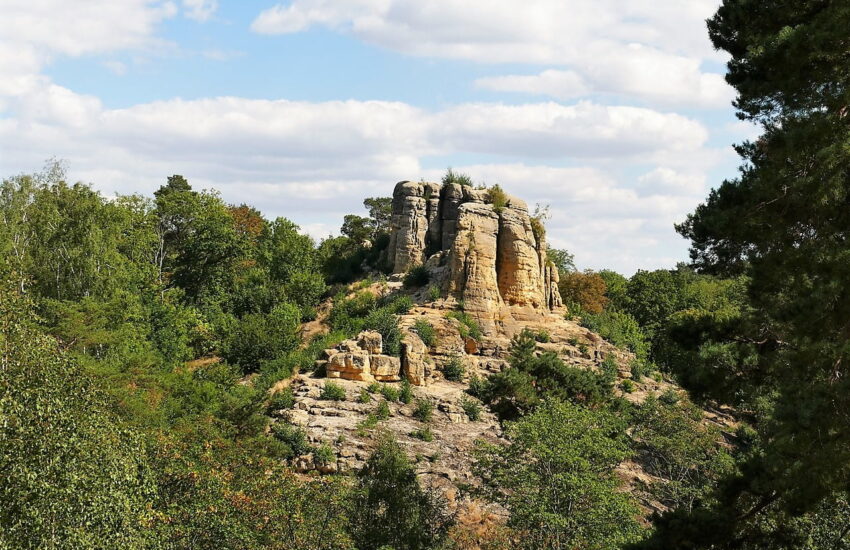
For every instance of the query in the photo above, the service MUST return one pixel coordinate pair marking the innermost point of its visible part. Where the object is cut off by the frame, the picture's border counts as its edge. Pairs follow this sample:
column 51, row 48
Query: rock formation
column 361, row 359
column 488, row 256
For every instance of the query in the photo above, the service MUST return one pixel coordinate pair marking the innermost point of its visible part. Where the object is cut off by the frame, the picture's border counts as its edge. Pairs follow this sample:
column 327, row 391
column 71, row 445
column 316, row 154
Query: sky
column 613, row 114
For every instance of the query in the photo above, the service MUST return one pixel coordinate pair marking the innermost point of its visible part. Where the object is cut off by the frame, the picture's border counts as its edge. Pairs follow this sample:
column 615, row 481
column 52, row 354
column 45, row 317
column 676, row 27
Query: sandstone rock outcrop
column 494, row 261
column 361, row 359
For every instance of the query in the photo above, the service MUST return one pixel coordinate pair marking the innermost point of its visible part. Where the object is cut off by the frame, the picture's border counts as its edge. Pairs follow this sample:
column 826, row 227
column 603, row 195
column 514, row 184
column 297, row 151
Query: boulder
column 413, row 354
column 371, row 341
column 386, row 368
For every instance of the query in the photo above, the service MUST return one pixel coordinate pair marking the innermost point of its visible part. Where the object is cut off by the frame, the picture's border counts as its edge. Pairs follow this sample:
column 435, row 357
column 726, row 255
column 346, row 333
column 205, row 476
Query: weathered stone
column 350, row 366
column 472, row 260
column 518, row 266
column 370, row 341
column 386, row 368
column 408, row 226
column 413, row 352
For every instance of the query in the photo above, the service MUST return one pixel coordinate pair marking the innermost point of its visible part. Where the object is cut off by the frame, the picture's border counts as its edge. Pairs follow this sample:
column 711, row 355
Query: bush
column 497, row 197
column 332, row 392
column 434, row 293
column 456, row 177
column 543, row 336
column 382, row 412
column 454, row 370
column 258, row 337
column 374, row 387
column 424, row 410
column 478, row 387
column 425, row 434
column 426, row 332
column 406, row 393
column 390, row 393
column 364, row 396
column 621, row 329
column 627, row 386
column 293, row 437
column 472, row 408
column 669, row 397
column 324, row 455
column 468, row 326
column 383, row 320
column 282, row 400
column 417, row 277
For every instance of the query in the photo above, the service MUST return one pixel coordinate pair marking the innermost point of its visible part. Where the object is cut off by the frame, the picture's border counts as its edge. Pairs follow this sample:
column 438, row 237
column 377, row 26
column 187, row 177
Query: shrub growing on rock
column 424, row 410
column 426, row 332
column 454, row 370
column 332, row 392
column 417, row 277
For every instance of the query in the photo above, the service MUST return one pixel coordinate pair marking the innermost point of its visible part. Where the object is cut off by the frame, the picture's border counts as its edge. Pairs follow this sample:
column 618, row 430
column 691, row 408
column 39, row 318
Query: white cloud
column 649, row 49
column 200, row 10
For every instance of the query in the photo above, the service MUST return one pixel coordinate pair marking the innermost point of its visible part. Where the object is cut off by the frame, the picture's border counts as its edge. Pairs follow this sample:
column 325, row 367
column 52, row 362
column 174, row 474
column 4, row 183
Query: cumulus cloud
column 649, row 49
column 199, row 10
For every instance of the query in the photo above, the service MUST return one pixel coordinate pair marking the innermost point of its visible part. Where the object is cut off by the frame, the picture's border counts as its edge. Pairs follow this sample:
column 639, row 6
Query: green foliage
column 73, row 475
column 468, row 326
column 332, row 392
column 390, row 393
column 456, row 177
column 363, row 312
column 556, row 479
column 392, row 508
column 293, row 437
column 374, row 387
column 471, row 408
column 417, row 277
column 533, row 378
column 426, row 332
column 324, row 455
column 423, row 410
column 364, row 396
column 621, row 329
column 616, row 289
column 498, row 198
column 405, row 394
column 424, row 433
column 563, row 261
column 627, row 386
column 674, row 444
column 283, row 399
column 434, row 293
column 454, row 369
column 382, row 412
column 260, row 337
column 542, row 335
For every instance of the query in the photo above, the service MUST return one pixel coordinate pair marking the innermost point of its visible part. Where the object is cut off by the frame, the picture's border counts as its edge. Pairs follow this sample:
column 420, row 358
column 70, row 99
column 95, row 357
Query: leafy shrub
column 282, row 400
column 456, row 177
column 627, row 386
column 638, row 370
column 374, row 387
column 293, row 437
column 390, row 393
column 258, row 337
column 621, row 329
column 406, row 393
column 472, row 408
column 417, row 277
column 426, row 332
column 324, row 454
column 382, row 412
column 332, row 392
column 425, row 434
column 392, row 508
column 543, row 336
column 454, row 370
column 478, row 387
column 468, row 326
column 399, row 304
column 434, row 293
column 423, row 410
column 364, row 396
column 497, row 197
column 383, row 320
column 669, row 397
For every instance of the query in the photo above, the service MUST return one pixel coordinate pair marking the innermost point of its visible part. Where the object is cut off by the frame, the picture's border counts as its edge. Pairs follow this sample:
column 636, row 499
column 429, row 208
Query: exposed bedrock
column 493, row 258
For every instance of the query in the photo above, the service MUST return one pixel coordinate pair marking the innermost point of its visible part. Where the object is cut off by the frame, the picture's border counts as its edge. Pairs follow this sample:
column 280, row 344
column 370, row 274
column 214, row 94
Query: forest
column 141, row 339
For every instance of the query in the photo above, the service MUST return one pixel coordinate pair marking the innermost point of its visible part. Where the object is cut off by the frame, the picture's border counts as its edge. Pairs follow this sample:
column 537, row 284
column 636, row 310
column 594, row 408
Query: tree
column 564, row 261
column 784, row 224
column 616, row 289
column 380, row 213
column 73, row 476
column 556, row 479
column 392, row 509
column 583, row 291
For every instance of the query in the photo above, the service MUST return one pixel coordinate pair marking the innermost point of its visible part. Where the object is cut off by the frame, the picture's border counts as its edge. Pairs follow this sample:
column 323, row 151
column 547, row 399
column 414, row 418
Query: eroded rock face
column 494, row 261
column 361, row 359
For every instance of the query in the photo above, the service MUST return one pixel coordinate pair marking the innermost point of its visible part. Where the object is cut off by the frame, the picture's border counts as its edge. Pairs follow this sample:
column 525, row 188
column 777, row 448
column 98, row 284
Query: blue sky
column 615, row 115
